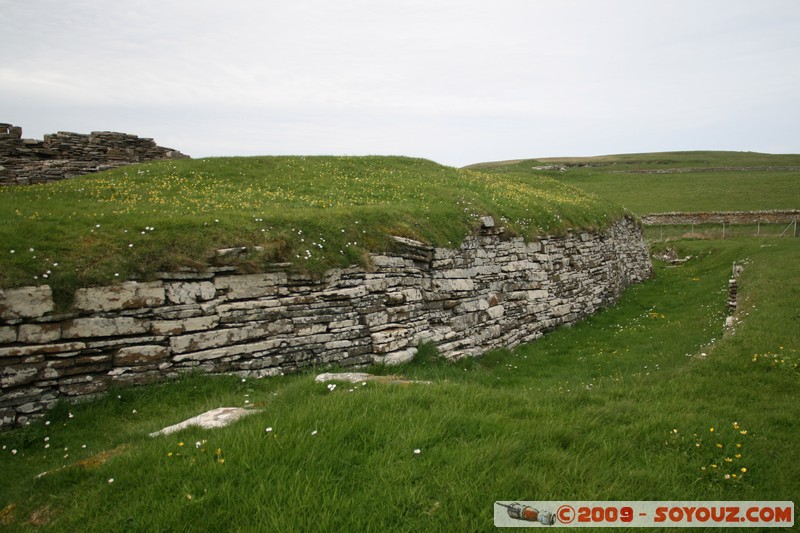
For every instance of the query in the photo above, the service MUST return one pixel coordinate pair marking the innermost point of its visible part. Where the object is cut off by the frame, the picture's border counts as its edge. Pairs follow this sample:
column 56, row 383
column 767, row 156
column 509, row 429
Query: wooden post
column 723, row 230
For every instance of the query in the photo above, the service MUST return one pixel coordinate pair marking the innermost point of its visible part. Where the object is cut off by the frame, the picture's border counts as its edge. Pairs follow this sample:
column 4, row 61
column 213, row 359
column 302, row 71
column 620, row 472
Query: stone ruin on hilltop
column 65, row 155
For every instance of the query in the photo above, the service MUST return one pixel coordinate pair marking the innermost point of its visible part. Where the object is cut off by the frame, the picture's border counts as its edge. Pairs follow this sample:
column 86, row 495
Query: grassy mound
column 314, row 212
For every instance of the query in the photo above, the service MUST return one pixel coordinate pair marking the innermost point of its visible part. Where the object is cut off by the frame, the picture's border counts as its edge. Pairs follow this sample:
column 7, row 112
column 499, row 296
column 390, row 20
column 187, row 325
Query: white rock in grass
column 216, row 418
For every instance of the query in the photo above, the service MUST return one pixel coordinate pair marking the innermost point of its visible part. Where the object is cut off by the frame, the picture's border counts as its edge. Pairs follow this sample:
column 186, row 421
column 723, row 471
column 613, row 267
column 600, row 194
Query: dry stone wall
column 491, row 292
column 64, row 154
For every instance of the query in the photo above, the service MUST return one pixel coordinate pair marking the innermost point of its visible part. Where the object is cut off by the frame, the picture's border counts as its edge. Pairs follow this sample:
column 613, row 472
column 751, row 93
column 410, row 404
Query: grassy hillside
column 314, row 212
column 649, row 400
column 676, row 181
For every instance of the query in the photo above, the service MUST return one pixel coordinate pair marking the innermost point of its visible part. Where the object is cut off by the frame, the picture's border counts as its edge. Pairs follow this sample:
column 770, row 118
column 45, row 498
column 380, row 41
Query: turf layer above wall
column 491, row 292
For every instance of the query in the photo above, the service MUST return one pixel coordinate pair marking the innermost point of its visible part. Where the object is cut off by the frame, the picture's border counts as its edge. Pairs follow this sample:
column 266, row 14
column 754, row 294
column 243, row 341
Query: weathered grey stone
column 537, row 294
column 352, row 377
column 339, row 325
column 471, row 306
column 14, row 376
column 453, row 285
column 50, row 349
column 26, row 302
column 140, row 355
column 561, row 310
column 128, row 295
column 177, row 327
column 216, row 418
column 495, row 312
column 7, row 416
column 250, row 309
column 8, row 334
column 39, row 333
column 225, row 337
column 83, row 385
column 347, row 293
column 84, row 328
column 189, row 293
column 390, row 340
column 338, row 344
column 388, row 262
column 181, row 312
column 251, row 285
column 311, row 329
column 396, row 358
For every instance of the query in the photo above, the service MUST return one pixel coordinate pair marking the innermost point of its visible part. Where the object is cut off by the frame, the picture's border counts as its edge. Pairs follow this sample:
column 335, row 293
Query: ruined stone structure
column 64, row 155
column 491, row 292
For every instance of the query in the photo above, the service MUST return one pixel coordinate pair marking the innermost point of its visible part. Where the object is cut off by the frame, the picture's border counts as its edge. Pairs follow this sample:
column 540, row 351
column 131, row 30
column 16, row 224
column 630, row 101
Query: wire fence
column 719, row 230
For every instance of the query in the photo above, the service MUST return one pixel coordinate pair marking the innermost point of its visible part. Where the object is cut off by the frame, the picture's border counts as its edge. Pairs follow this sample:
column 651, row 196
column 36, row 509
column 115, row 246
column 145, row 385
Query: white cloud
column 455, row 81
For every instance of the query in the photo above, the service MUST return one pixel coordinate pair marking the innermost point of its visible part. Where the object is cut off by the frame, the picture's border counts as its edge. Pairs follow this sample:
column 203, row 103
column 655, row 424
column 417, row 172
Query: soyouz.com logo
column 643, row 514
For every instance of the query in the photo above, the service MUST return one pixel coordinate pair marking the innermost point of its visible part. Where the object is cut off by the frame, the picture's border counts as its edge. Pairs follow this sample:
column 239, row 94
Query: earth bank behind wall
column 491, row 292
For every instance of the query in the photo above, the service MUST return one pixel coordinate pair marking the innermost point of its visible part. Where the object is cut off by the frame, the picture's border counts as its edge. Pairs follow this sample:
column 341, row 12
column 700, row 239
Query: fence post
column 758, row 233
column 723, row 230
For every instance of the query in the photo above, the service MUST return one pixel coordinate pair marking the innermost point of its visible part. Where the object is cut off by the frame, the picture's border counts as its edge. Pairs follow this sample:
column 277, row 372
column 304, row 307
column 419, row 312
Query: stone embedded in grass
column 356, row 377
column 216, row 418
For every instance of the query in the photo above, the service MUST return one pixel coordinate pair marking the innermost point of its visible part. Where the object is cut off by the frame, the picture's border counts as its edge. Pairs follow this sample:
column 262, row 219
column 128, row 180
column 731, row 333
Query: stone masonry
column 491, row 292
column 64, row 155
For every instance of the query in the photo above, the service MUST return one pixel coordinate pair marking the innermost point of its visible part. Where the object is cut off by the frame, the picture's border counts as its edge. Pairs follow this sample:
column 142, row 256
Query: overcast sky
column 456, row 81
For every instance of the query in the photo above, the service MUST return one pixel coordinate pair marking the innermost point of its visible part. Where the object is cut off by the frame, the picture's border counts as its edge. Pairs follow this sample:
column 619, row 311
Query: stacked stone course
column 64, row 155
column 491, row 292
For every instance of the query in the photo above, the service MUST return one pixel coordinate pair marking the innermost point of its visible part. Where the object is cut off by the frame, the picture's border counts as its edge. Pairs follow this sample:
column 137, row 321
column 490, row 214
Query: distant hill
column 674, row 181
column 645, row 161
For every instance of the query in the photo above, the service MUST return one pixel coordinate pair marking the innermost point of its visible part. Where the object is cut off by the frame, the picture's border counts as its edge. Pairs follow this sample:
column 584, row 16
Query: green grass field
column 619, row 407
column 749, row 187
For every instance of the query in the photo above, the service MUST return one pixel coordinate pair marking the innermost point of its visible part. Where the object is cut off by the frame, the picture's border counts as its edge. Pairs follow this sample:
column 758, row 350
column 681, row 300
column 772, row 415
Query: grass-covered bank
column 314, row 212
column 621, row 407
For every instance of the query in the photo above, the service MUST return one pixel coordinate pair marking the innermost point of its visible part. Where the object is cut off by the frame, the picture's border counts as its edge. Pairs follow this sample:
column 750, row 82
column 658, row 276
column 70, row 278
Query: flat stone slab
column 216, row 418
column 358, row 377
